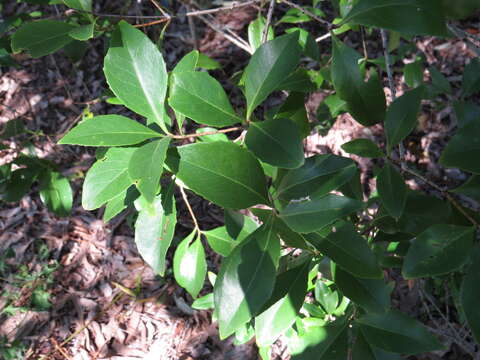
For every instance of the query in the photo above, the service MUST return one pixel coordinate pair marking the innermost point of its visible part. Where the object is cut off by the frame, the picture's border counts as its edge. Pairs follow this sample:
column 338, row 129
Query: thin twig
column 464, row 35
column 269, row 21
column 309, row 13
column 222, row 131
column 323, row 37
column 190, row 210
column 191, row 26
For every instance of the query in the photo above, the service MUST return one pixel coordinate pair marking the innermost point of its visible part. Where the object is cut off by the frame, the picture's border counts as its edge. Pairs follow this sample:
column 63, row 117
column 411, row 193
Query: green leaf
column 363, row 351
column 108, row 130
column 318, row 176
column 363, row 147
column 56, row 193
column 136, row 73
column 41, row 37
column 19, row 183
column 120, row 202
column 234, row 179
column 298, row 81
column 439, row 81
column 395, row 332
column 200, row 97
column 294, row 109
column 82, row 33
column 466, row 112
column 211, row 137
column 401, row 116
column 283, row 307
column 471, row 188
column 463, row 150
column 220, row 241
column 439, row 250
column 146, row 167
column 470, row 293
column 348, row 249
column 255, row 32
column 307, row 42
column 204, row 302
column 323, row 343
column 277, row 142
column 365, row 100
column 187, row 63
column 12, row 128
column 189, row 264
column 326, row 297
column 413, row 74
column 471, row 78
column 107, row 178
column 207, row 63
column 425, row 17
column 309, row 216
column 392, row 190
column 154, row 229
column 373, row 295
column 460, row 9
column 267, row 68
column 83, row 5
column 246, row 280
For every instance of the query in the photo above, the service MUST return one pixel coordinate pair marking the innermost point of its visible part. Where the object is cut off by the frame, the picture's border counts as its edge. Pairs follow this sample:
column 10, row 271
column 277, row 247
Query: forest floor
column 76, row 287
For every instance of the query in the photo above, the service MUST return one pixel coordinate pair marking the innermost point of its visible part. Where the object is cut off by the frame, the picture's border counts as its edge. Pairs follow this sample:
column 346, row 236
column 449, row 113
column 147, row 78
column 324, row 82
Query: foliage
column 261, row 288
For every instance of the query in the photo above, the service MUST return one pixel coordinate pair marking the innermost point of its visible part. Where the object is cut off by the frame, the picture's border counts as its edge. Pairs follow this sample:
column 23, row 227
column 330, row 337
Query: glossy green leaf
column 136, row 73
column 119, row 203
column 146, row 167
column 107, row 178
column 463, row 150
column 470, row 293
column 207, row 63
column 326, row 297
column 220, row 241
column 362, row 350
column 187, row 63
column 328, row 342
column 154, row 229
column 234, row 180
column 201, row 98
column 255, row 32
column 83, row 5
column 204, row 302
column 466, row 112
column 392, row 190
column 267, row 68
column 471, row 78
column 413, row 74
column 277, row 142
column 439, row 250
column 348, row 249
column 307, row 42
column 189, row 264
column 108, row 130
column 246, row 280
column 365, row 100
column 294, row 109
column 82, row 33
column 313, row 215
column 439, row 81
column 56, row 193
column 318, row 176
column 401, row 116
column 298, row 81
column 373, row 295
column 471, row 188
column 395, row 332
column 41, row 37
column 425, row 17
column 284, row 305
column 363, row 147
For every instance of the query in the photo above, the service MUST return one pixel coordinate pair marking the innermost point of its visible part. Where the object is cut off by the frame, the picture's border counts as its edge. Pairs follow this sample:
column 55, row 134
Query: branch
column 222, row 131
column 269, row 20
column 309, row 13
column 190, row 210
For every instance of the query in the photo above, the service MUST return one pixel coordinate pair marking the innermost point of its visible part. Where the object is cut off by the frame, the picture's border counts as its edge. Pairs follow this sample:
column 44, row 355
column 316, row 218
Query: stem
column 269, row 20
column 310, row 14
column 222, row 131
column 190, row 210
